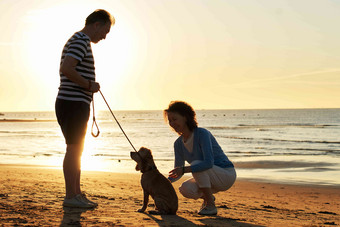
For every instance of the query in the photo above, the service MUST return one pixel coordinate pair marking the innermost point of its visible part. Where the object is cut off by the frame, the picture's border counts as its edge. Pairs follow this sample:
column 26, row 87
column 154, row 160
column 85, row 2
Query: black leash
column 95, row 123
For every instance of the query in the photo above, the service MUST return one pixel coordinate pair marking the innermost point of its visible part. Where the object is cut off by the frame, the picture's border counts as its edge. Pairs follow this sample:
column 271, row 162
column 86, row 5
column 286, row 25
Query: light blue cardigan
column 205, row 149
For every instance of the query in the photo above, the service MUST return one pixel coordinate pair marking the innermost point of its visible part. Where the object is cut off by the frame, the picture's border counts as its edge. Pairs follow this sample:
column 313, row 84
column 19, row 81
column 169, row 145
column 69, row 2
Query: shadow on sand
column 72, row 216
column 222, row 221
column 175, row 220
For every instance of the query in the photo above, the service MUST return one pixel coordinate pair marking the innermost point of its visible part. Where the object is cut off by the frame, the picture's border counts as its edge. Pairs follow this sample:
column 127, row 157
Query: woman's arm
column 205, row 147
column 177, row 172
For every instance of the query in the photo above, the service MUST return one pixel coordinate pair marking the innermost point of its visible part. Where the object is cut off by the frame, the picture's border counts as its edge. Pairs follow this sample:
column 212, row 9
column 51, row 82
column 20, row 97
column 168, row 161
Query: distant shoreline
column 27, row 120
column 242, row 179
column 143, row 110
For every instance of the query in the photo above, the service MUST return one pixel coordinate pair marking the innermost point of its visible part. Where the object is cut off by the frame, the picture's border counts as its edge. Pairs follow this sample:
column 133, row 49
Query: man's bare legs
column 72, row 169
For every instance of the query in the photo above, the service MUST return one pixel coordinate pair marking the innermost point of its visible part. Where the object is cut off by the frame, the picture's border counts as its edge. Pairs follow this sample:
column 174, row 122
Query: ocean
column 294, row 146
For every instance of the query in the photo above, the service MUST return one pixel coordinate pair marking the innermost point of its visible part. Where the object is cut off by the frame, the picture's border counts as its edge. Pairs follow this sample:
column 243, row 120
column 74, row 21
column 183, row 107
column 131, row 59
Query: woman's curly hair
column 183, row 109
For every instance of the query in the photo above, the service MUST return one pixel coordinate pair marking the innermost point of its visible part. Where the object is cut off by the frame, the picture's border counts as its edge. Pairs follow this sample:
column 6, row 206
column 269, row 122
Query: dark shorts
column 72, row 117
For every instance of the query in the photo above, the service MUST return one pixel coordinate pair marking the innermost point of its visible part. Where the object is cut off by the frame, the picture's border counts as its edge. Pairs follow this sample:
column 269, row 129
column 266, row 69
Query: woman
column 211, row 169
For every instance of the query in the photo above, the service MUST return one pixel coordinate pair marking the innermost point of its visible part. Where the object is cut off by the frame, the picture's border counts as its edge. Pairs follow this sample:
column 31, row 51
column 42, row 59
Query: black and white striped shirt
column 78, row 47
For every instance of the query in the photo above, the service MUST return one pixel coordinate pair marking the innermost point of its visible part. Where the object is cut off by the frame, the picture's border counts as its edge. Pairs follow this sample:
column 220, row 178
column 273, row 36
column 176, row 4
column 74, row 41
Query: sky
column 213, row 54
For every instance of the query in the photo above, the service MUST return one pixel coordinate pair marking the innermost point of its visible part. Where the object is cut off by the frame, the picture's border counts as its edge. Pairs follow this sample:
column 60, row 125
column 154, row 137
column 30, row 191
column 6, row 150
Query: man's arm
column 68, row 68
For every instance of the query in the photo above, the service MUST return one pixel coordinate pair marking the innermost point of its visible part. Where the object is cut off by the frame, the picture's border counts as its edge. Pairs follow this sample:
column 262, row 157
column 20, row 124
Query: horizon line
column 200, row 109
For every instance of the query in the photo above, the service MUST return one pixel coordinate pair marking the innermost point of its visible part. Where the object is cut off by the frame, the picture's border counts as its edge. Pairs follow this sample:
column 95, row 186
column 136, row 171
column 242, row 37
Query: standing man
column 77, row 85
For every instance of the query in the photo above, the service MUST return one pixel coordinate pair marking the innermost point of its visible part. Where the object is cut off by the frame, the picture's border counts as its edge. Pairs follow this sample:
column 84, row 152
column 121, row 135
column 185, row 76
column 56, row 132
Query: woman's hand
column 177, row 172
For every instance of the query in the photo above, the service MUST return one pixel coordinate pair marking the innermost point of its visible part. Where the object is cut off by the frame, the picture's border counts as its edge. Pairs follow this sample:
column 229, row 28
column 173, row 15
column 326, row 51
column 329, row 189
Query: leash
column 95, row 123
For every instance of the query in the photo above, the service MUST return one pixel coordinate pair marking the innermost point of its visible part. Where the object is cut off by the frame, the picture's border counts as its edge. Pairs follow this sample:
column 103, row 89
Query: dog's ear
column 137, row 167
column 145, row 152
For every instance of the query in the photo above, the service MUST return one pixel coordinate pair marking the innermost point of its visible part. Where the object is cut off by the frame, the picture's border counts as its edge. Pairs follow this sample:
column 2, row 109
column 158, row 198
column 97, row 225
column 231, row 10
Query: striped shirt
column 78, row 47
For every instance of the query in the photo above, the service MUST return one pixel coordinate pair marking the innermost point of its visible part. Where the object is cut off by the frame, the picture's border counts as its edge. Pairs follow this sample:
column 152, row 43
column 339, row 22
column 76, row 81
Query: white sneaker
column 85, row 199
column 77, row 202
column 204, row 204
column 208, row 211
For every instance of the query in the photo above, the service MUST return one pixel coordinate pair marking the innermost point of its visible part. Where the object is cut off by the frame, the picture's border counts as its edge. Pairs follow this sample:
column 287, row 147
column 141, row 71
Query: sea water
column 286, row 145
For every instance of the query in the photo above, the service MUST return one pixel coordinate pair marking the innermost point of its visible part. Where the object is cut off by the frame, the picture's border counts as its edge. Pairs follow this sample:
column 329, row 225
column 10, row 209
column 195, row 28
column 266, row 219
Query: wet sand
column 32, row 196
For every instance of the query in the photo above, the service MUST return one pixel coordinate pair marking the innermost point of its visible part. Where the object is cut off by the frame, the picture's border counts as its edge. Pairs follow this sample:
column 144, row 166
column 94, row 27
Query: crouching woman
column 211, row 169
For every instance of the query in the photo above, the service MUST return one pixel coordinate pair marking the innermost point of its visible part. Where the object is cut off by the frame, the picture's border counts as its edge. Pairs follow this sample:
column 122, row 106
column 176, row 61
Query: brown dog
column 155, row 184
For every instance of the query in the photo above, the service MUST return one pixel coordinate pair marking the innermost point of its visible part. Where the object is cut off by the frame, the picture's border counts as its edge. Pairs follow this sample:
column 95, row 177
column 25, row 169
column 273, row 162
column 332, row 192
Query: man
column 77, row 85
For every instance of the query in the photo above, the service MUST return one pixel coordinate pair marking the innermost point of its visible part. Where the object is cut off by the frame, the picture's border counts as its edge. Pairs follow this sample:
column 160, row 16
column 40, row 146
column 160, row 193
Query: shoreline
column 246, row 179
column 29, row 196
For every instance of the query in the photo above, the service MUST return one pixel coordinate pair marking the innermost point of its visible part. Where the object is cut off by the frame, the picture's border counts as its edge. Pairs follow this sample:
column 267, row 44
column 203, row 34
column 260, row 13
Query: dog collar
column 151, row 168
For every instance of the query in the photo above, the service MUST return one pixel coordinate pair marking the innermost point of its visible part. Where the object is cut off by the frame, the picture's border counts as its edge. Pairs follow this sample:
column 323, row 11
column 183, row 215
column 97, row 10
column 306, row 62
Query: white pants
column 216, row 178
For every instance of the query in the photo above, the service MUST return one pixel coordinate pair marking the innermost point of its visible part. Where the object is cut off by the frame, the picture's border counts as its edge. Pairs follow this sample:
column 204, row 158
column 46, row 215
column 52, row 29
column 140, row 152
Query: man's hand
column 94, row 86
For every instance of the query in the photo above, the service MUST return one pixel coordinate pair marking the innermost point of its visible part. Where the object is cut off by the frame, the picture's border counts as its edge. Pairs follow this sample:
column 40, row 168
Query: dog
column 154, row 184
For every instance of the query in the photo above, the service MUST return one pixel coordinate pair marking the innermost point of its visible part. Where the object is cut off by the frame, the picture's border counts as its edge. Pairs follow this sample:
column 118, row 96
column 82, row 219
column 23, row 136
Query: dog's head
column 144, row 159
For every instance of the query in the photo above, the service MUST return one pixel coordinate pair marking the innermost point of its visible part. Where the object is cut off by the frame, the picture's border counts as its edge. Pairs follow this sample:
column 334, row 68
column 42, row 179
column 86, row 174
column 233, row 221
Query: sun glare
column 89, row 161
column 46, row 30
column 46, row 33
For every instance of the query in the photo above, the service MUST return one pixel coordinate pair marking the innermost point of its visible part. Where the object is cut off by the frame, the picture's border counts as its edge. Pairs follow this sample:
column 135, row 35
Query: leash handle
column 94, row 122
column 118, row 122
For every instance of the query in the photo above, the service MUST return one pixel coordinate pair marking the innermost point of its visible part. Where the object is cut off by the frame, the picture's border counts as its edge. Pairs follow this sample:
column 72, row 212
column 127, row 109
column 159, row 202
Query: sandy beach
column 32, row 196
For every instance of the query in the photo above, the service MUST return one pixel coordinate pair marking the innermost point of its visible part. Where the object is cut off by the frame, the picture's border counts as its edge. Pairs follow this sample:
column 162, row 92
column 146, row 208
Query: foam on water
column 266, row 144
